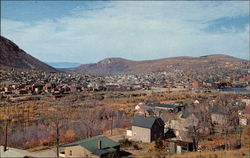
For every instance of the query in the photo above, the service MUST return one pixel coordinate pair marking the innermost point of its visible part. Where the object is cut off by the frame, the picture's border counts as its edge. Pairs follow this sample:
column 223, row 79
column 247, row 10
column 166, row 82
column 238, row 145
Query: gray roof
column 146, row 122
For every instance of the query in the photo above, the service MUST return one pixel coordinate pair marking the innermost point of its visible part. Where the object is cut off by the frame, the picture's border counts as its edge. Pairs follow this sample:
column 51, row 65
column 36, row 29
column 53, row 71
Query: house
column 196, row 102
column 197, row 84
column 145, row 111
column 129, row 132
column 147, row 129
column 14, row 152
column 244, row 116
column 49, row 86
column 181, row 125
column 37, row 87
column 168, row 107
column 95, row 147
column 180, row 146
column 244, row 121
column 21, row 91
column 219, row 115
column 138, row 106
column 187, row 102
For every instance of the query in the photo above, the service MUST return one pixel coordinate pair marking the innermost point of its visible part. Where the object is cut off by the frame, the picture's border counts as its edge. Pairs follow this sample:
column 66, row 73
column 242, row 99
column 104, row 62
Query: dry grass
column 241, row 153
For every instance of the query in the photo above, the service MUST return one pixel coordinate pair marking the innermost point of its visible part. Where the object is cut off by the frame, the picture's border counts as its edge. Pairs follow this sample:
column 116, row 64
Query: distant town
column 58, row 114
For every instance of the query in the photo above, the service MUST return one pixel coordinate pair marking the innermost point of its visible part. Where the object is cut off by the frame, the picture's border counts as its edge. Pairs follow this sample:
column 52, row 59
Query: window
column 70, row 153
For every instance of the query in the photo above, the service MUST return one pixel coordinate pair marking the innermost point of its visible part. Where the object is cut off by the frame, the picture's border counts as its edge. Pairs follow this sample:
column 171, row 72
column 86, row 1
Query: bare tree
column 7, row 120
column 89, row 119
column 56, row 121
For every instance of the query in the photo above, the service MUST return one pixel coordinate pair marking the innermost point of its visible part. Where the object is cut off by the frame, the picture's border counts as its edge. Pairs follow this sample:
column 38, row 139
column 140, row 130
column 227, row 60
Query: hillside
column 11, row 56
column 198, row 64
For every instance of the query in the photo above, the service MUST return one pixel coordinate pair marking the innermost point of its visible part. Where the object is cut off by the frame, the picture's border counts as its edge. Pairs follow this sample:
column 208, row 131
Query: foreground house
column 147, row 129
column 14, row 152
column 96, row 147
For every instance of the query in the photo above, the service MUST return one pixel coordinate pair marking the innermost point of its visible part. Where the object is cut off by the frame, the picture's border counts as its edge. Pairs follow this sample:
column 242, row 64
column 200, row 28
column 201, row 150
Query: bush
column 136, row 147
column 125, row 143
column 113, row 155
column 158, row 144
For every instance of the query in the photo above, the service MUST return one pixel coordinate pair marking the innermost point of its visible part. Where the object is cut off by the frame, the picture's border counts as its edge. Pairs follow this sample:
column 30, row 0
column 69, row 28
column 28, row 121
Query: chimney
column 99, row 144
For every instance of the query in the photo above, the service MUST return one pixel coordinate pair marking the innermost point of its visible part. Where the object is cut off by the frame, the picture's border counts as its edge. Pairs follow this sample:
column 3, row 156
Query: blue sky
column 86, row 32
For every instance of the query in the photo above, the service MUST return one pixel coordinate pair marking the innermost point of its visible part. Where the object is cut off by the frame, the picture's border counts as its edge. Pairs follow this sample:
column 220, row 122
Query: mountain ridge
column 125, row 66
column 11, row 56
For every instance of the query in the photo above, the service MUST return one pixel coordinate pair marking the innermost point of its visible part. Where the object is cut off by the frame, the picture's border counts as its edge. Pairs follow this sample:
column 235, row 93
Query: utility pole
column 6, row 136
column 57, row 139
column 111, row 127
column 7, row 120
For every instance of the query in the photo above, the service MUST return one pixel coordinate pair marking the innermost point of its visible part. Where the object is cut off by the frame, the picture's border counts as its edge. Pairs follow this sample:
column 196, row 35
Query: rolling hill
column 11, row 56
column 198, row 64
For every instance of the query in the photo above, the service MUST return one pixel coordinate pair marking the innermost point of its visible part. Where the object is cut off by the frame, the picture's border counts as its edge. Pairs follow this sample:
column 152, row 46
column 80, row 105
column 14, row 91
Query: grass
column 241, row 153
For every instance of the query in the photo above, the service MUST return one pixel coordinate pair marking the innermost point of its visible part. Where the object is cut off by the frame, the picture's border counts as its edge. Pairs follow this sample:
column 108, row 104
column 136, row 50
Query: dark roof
column 146, row 122
column 163, row 105
column 108, row 145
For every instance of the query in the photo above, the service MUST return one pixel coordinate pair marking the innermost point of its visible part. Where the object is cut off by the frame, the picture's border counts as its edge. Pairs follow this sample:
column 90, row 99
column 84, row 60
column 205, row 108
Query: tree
column 197, row 131
column 89, row 120
column 7, row 118
column 56, row 121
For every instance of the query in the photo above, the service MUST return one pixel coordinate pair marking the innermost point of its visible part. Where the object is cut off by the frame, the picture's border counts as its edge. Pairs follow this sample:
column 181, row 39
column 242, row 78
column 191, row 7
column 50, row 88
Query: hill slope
column 11, row 56
column 198, row 64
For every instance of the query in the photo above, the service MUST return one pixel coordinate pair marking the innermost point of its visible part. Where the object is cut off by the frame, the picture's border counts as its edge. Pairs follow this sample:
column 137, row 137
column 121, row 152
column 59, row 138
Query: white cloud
column 134, row 30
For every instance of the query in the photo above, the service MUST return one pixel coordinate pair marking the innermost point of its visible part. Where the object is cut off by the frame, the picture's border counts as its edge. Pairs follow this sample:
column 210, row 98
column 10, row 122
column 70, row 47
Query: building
column 95, row 147
column 140, row 105
column 180, row 146
column 167, row 107
column 147, row 129
column 244, row 121
column 244, row 116
column 181, row 125
column 14, row 152
column 219, row 115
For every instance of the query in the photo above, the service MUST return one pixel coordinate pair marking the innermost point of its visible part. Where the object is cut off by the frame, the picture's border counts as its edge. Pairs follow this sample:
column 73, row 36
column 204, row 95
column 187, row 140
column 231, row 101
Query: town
column 124, row 79
column 79, row 115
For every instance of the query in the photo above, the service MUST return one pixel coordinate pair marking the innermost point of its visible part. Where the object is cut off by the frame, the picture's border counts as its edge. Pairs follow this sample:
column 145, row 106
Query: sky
column 89, row 31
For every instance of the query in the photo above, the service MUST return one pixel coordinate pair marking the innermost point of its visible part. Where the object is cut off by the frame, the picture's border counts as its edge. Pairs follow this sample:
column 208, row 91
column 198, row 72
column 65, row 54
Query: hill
column 11, row 56
column 198, row 64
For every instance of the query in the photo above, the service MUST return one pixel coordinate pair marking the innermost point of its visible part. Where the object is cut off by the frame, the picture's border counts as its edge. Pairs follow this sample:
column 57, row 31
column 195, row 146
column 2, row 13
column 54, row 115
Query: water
column 235, row 90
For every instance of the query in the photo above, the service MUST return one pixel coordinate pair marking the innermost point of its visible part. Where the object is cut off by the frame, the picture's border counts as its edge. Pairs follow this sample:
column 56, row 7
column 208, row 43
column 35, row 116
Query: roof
column 14, row 152
column 246, row 110
column 146, row 108
column 187, row 102
column 163, row 105
column 91, row 145
column 146, row 122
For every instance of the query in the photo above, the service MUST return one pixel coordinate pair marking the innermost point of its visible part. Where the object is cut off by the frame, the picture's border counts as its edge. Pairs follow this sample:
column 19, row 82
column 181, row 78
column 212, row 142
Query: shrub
column 125, row 143
column 136, row 147
column 158, row 144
